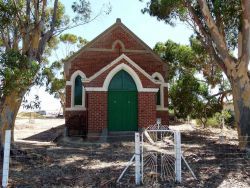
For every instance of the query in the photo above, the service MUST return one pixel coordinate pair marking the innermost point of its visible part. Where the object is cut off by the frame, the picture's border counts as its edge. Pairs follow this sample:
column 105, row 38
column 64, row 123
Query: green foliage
column 188, row 59
column 71, row 43
column 19, row 20
column 227, row 14
column 68, row 38
column 54, row 85
column 228, row 117
column 17, row 72
column 165, row 10
column 62, row 20
column 53, row 74
column 83, row 10
column 211, row 122
column 8, row 11
column 216, row 119
column 190, row 97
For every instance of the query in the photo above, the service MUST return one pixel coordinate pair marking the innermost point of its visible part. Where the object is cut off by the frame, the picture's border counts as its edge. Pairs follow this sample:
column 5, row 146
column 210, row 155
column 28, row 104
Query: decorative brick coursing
column 97, row 111
column 118, row 33
column 98, row 82
column 146, row 109
column 90, row 62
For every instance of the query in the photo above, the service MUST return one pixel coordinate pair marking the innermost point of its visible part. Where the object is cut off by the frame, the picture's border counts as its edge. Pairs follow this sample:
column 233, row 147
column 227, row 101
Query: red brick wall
column 97, row 111
column 164, row 117
column 98, row 82
column 146, row 109
column 68, row 96
column 118, row 33
column 76, row 122
column 90, row 62
column 72, row 113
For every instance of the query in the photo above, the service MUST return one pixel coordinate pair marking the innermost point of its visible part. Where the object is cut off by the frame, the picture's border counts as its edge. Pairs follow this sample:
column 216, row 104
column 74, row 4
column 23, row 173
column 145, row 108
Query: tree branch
column 215, row 34
column 5, row 41
column 245, row 55
column 26, row 34
column 221, row 93
column 59, row 31
column 45, row 38
column 208, row 40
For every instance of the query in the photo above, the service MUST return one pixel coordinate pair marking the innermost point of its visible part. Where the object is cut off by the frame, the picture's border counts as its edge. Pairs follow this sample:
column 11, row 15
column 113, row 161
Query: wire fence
column 214, row 158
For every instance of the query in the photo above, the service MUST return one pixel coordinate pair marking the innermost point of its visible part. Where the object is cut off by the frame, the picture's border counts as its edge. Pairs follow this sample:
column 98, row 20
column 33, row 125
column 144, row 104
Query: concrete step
column 121, row 136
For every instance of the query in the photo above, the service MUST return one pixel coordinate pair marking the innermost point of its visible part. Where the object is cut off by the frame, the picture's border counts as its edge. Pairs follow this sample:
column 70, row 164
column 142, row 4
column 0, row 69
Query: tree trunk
column 63, row 108
column 8, row 115
column 241, row 98
column 62, row 101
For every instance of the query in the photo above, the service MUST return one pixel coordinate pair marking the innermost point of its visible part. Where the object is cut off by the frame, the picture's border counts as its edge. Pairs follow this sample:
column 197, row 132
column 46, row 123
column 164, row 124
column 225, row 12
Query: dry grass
column 38, row 162
column 33, row 115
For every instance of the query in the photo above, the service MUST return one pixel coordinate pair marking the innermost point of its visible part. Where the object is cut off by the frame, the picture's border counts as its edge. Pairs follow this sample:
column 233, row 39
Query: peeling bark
column 241, row 95
column 10, row 109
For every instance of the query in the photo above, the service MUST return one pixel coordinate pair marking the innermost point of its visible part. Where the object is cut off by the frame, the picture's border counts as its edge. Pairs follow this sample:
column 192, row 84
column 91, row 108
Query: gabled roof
column 117, row 60
column 118, row 23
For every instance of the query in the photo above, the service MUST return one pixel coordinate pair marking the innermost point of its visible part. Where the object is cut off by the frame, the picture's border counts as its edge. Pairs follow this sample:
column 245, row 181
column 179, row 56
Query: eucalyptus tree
column 189, row 94
column 66, row 45
column 26, row 29
column 221, row 26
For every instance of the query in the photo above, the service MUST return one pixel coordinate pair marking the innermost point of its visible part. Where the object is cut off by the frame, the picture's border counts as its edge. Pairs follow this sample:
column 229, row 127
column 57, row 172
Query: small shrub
column 216, row 120
column 230, row 122
column 213, row 122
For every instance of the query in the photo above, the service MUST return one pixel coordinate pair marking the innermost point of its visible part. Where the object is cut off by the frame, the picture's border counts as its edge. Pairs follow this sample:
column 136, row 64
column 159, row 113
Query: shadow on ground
column 92, row 164
column 215, row 163
column 49, row 135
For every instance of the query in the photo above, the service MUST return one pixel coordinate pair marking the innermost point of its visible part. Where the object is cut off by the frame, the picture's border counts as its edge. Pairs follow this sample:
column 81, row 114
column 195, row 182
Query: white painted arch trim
column 162, row 85
column 150, row 90
column 126, row 68
column 75, row 74
column 122, row 56
column 72, row 83
column 158, row 75
column 118, row 42
column 111, row 64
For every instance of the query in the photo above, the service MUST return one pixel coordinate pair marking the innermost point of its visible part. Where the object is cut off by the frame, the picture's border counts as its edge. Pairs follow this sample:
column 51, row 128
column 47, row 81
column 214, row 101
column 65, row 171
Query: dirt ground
column 43, row 158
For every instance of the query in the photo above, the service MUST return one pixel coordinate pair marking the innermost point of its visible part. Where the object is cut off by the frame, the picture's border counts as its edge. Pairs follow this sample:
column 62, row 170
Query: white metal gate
column 161, row 154
column 157, row 156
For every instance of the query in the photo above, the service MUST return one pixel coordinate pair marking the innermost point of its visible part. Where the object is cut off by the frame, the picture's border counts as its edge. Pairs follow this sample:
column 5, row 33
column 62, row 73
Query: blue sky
column 149, row 29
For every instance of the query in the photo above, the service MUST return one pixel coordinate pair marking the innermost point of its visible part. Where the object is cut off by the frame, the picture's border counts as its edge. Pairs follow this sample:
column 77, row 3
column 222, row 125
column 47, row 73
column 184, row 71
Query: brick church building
column 114, row 83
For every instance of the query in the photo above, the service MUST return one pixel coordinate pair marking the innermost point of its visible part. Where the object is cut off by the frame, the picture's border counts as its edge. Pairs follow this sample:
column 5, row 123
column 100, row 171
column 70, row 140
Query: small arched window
column 78, row 91
column 158, row 95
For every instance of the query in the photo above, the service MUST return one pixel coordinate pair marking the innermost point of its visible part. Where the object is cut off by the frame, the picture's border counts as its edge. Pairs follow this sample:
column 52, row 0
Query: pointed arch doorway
column 122, row 103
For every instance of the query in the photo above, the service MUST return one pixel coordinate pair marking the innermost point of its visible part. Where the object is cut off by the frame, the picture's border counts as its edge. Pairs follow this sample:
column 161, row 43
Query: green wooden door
column 122, row 103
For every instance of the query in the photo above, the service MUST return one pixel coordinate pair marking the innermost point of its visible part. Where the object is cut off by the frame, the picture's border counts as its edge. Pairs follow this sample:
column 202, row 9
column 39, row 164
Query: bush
column 171, row 115
column 230, row 122
column 211, row 122
column 216, row 120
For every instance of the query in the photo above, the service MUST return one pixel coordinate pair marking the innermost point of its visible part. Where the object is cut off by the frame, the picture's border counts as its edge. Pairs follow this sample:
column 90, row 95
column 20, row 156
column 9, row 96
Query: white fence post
column 177, row 140
column 6, row 158
column 137, row 159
